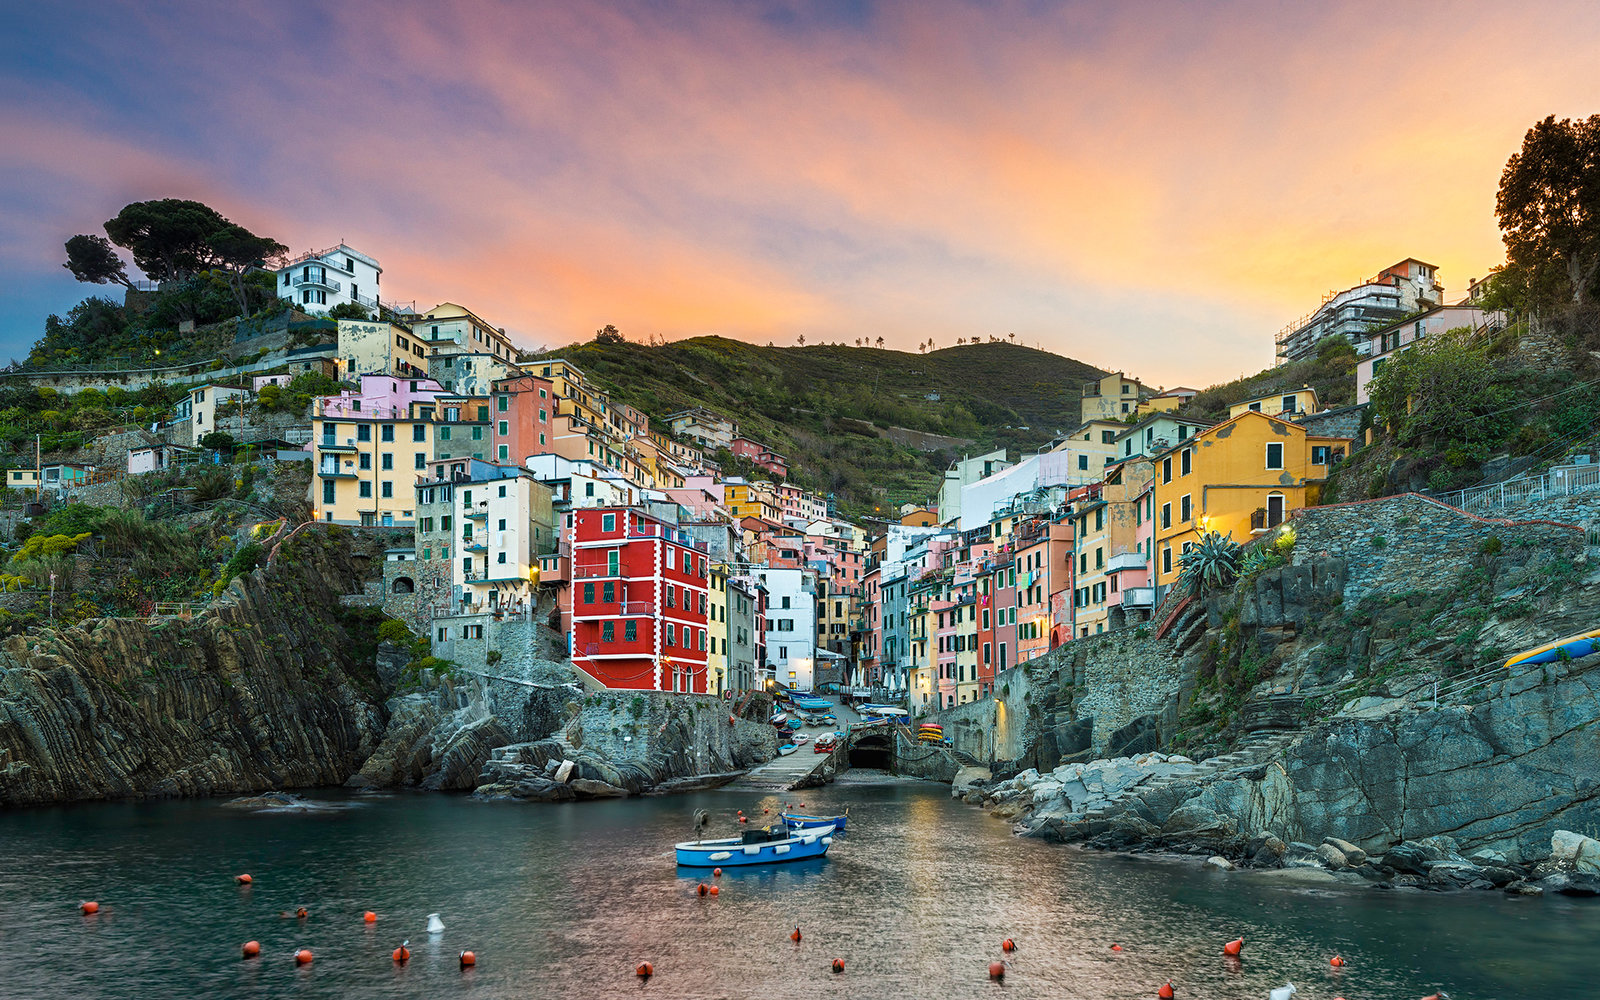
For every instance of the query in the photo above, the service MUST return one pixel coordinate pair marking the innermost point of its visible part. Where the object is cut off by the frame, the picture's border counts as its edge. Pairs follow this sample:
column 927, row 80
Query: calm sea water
column 564, row 901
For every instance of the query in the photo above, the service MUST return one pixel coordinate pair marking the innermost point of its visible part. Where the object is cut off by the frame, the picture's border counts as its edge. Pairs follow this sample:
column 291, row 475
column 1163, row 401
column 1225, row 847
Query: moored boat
column 787, row 749
column 1572, row 647
column 768, row 845
column 801, row 821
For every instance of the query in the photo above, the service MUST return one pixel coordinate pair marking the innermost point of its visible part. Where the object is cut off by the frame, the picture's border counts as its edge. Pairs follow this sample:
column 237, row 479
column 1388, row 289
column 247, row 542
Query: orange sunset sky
column 1151, row 187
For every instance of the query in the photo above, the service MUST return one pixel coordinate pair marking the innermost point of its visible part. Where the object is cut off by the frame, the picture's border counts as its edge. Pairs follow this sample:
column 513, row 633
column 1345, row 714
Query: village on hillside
column 670, row 550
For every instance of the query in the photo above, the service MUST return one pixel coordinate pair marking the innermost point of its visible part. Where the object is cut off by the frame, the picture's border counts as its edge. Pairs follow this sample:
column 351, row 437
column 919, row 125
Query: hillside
column 1332, row 373
column 827, row 407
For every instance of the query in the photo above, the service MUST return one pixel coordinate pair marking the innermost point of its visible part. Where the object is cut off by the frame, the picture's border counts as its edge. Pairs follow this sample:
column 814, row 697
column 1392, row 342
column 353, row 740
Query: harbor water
column 565, row 901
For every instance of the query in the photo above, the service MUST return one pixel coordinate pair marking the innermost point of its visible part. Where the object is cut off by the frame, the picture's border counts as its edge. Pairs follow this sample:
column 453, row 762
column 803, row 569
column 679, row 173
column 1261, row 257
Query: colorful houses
column 368, row 447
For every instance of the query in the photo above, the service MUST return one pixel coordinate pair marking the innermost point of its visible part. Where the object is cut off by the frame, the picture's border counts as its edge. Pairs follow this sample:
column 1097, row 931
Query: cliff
column 273, row 686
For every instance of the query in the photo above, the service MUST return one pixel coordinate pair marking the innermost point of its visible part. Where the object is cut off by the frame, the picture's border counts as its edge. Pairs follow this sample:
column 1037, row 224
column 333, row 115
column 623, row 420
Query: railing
column 1126, row 560
column 1139, row 597
column 1565, row 480
column 638, row 608
column 596, row 572
column 319, row 282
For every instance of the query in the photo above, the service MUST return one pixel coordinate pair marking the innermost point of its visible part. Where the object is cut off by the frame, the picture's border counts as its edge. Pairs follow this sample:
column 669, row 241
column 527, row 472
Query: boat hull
column 732, row 853
column 1572, row 646
column 798, row 821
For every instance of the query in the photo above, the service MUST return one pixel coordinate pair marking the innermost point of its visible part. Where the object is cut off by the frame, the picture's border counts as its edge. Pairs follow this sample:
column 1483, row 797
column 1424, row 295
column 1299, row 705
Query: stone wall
column 1389, row 544
column 1117, row 677
column 1344, row 422
column 992, row 728
column 688, row 732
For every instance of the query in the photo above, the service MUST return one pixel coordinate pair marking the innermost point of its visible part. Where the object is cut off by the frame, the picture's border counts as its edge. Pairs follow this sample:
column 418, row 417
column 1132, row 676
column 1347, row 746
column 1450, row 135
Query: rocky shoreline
column 1070, row 804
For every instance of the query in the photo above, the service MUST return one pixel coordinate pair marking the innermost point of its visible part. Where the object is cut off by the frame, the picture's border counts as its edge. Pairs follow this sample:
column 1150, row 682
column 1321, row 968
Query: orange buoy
column 766, row 810
column 1008, row 945
column 730, row 720
column 1166, row 992
column 703, row 889
column 838, row 965
column 997, row 971
column 402, row 954
column 302, row 957
column 468, row 959
column 89, row 907
column 1336, row 962
column 645, row 970
column 742, row 819
column 795, row 935
column 1233, row 947
column 716, row 873
column 369, row 917
column 713, row 890
column 251, row 949
column 1115, row 946
column 301, row 913
column 243, row 879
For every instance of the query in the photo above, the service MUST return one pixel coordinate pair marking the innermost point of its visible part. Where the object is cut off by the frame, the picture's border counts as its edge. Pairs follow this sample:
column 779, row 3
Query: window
column 1166, row 515
column 1099, row 518
column 444, row 523
column 505, row 428
column 387, row 490
column 1083, row 461
column 1166, row 559
column 1099, row 558
column 501, row 402
column 477, row 433
column 444, row 435
column 483, row 414
column 363, row 432
column 327, row 492
column 1166, row 470
column 364, row 461
column 672, row 597
column 386, row 461
column 1106, row 437
column 366, row 491
column 386, row 432
column 608, row 593
column 1319, row 454
column 1184, row 508
column 672, row 634
column 613, row 562
column 608, row 522
column 1274, row 455
column 1288, row 404
column 1274, row 509
column 630, row 631
column 500, row 558
column 1187, row 461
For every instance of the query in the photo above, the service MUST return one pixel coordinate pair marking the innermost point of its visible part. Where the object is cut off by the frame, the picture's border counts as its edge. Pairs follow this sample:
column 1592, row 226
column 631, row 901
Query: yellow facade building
column 1239, row 478
column 1290, row 404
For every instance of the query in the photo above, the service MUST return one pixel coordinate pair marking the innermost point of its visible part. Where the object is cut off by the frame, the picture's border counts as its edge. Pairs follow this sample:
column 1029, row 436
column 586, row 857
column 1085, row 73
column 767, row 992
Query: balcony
column 474, row 545
column 1139, row 597
column 326, row 443
column 598, row 572
column 1126, row 560
column 317, row 281
column 636, row 609
column 333, row 471
column 480, row 511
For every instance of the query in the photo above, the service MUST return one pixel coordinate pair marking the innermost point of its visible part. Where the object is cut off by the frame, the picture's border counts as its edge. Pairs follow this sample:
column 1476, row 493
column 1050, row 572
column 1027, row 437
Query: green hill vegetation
column 828, row 408
column 1332, row 373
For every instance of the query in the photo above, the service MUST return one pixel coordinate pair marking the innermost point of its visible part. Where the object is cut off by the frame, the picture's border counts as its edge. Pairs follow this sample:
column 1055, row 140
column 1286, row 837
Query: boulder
column 1575, row 851
column 1219, row 862
column 1353, row 855
column 587, row 788
column 1411, row 857
column 1193, row 821
column 564, row 771
column 1266, row 851
column 1581, row 884
column 966, row 777
column 1142, row 735
column 1332, row 857
column 1524, row 888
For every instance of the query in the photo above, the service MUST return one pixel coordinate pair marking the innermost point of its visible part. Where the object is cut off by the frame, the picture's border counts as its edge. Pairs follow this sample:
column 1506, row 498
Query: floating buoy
column 243, row 879
column 1166, row 992
column 302, row 957
column 402, row 954
column 742, row 819
column 766, row 810
column 435, row 925
column 997, row 971
column 838, row 965
column 369, row 917
column 89, row 907
column 703, row 890
column 713, row 890
column 1336, row 962
column 716, row 873
column 1233, row 947
column 794, row 935
column 1115, row 946
column 251, row 949
column 1008, row 945
column 645, row 970
column 301, row 913
column 1441, row 995
column 468, row 959
column 730, row 720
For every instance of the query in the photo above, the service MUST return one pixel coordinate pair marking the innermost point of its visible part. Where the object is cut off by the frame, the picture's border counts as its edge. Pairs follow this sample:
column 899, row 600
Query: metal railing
column 319, row 282
column 1566, row 480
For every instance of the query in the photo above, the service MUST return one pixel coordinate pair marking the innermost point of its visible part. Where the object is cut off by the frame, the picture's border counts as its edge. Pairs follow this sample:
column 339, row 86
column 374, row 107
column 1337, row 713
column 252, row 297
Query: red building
column 761, row 455
column 524, row 418
column 638, row 601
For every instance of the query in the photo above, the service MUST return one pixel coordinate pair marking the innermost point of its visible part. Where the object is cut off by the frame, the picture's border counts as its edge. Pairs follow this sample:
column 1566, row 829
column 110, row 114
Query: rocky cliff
column 273, row 686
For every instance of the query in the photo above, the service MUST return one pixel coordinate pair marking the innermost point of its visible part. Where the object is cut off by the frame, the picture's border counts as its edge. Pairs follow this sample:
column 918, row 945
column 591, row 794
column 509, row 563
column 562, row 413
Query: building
column 211, row 405
column 744, row 498
column 761, row 455
column 1379, row 346
column 449, row 328
column 1042, row 555
column 321, row 279
column 1156, row 432
column 368, row 447
column 1290, row 405
column 471, row 373
column 919, row 517
column 743, row 653
column 379, row 348
column 1239, row 478
column 159, row 457
column 709, row 430
column 1089, row 450
column 791, row 624
column 523, row 418
column 1398, row 290
column 1111, row 398
column 506, row 522
column 1112, row 545
column 964, row 472
column 1167, row 400
column 639, row 602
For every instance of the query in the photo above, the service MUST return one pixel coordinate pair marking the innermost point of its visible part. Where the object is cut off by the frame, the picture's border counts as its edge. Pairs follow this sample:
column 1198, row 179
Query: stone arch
column 404, row 585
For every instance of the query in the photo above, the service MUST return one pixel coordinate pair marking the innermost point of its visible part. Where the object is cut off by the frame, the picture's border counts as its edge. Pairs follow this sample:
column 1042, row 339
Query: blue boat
column 769, row 845
column 811, row 704
column 800, row 821
column 1572, row 647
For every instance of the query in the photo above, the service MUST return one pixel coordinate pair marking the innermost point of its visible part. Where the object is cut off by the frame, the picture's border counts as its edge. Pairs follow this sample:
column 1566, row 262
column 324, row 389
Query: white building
column 158, row 458
column 964, row 472
column 471, row 373
column 584, row 483
column 711, row 430
column 379, row 348
column 506, row 524
column 321, row 279
column 1378, row 347
column 791, row 624
column 1398, row 290
column 208, row 405
column 451, row 328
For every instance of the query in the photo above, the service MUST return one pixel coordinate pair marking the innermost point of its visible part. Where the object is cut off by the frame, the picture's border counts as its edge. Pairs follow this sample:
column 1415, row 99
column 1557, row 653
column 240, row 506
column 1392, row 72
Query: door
column 1274, row 509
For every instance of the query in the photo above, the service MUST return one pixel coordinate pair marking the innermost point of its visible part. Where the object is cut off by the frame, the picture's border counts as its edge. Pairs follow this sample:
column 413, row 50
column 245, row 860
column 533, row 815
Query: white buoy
column 1283, row 992
column 436, row 926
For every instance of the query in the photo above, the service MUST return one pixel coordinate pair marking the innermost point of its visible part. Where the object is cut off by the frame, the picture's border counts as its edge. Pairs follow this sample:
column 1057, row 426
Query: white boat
column 769, row 845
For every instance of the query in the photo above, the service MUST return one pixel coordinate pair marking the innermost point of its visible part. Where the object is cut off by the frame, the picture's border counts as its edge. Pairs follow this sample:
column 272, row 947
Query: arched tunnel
column 875, row 751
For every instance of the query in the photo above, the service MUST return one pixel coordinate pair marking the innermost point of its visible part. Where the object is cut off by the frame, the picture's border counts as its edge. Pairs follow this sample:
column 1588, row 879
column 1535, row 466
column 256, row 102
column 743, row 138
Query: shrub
column 394, row 630
column 1490, row 546
column 247, row 558
column 1378, row 541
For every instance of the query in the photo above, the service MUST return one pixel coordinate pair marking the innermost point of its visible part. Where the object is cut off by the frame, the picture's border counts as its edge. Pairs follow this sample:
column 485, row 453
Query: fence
column 1566, row 480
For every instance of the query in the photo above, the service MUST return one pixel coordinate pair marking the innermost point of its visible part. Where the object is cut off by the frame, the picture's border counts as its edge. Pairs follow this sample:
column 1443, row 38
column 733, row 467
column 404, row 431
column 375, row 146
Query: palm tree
column 802, row 339
column 1012, row 337
column 880, row 341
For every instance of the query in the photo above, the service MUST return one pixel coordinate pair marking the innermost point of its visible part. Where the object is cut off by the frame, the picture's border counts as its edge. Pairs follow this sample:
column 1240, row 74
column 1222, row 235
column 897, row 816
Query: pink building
column 761, row 455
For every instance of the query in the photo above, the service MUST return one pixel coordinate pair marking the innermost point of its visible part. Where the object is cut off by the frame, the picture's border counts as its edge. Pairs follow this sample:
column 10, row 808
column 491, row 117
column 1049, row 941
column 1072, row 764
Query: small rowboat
column 800, row 821
column 787, row 749
column 765, row 846
column 1572, row 647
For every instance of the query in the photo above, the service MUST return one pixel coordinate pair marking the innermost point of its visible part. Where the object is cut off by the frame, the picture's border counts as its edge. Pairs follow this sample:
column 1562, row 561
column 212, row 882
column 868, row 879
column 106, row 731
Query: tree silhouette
column 1549, row 206
column 1012, row 337
column 880, row 341
column 802, row 340
column 93, row 259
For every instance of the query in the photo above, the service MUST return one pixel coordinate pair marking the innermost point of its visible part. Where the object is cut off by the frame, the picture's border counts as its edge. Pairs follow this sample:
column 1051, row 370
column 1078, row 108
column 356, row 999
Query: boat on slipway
column 763, row 846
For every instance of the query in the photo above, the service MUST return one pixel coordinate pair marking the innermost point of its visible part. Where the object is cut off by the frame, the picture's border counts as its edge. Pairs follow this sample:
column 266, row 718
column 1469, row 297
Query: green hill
column 828, row 408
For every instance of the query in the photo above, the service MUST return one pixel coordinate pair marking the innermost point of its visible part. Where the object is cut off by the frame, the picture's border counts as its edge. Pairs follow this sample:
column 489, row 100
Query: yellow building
column 718, row 678
column 751, row 499
column 1111, row 398
column 368, row 448
column 1090, row 450
column 1238, row 478
column 1167, row 401
column 1293, row 402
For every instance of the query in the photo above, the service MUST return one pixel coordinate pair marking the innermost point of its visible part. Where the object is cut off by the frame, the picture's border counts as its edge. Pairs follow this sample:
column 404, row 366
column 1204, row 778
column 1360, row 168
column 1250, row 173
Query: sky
column 1151, row 187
